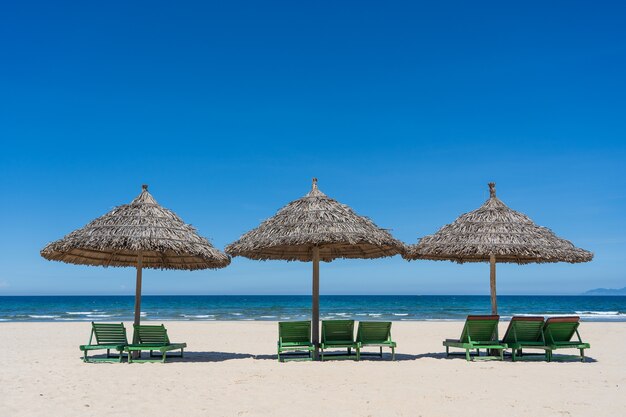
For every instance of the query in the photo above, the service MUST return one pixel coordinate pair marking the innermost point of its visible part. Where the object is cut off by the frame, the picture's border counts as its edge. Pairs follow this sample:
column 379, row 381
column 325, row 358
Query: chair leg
column 582, row 355
column 501, row 354
column 447, row 351
column 467, row 355
column 381, row 351
column 393, row 354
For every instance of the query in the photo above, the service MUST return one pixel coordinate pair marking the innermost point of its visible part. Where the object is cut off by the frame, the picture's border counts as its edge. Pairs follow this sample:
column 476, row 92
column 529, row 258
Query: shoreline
column 503, row 319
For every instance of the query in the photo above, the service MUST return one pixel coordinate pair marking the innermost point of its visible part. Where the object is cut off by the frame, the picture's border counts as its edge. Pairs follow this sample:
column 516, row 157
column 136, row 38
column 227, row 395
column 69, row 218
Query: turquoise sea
column 288, row 307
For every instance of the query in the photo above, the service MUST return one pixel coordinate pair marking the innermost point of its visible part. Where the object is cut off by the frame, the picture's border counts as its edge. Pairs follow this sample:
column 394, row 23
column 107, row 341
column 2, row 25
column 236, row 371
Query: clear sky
column 404, row 111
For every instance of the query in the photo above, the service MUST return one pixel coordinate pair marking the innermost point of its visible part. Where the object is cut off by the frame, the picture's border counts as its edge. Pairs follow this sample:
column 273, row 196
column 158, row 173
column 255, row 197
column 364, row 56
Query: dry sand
column 230, row 370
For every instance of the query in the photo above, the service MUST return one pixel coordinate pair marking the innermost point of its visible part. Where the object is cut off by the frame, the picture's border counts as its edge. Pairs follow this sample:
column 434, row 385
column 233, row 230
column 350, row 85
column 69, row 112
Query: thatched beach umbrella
column 495, row 233
column 141, row 234
column 313, row 228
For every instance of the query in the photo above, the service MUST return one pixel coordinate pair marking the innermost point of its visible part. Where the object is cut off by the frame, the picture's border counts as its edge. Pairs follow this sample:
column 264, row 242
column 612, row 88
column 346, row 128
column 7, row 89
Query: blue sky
column 404, row 111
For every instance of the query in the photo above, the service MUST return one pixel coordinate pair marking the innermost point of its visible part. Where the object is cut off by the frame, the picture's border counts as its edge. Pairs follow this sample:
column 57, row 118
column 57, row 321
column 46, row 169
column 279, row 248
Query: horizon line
column 309, row 295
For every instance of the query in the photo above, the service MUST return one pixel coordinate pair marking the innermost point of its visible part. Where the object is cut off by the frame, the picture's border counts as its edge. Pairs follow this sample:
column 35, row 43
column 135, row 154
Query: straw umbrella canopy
column 495, row 233
column 141, row 234
column 316, row 228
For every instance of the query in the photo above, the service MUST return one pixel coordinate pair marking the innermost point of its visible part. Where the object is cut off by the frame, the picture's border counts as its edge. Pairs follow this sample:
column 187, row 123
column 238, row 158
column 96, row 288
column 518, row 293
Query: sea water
column 298, row 307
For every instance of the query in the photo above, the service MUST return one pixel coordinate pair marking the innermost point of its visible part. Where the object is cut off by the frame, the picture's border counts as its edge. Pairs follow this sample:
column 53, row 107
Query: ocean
column 289, row 307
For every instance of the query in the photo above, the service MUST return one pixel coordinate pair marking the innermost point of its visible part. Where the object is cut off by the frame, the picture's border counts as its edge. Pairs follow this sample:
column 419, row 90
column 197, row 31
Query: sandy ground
column 231, row 370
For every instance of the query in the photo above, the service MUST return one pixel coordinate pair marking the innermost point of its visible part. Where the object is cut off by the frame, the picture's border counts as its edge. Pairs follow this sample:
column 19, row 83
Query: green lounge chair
column 294, row 337
column 152, row 338
column 338, row 334
column 558, row 333
column 375, row 333
column 479, row 332
column 109, row 336
column 525, row 332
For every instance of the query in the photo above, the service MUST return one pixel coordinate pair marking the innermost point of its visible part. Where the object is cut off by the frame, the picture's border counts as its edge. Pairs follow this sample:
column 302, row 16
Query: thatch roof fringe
column 143, row 226
column 315, row 220
column 496, row 229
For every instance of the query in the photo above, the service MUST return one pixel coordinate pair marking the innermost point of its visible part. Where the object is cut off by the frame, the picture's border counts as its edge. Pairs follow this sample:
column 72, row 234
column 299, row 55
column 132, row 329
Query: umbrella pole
column 315, row 310
column 492, row 280
column 138, row 295
column 494, row 301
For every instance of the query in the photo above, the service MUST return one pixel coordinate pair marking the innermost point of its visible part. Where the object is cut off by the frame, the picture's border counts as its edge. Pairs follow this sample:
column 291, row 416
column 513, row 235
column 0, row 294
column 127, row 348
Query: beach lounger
column 109, row 336
column 525, row 332
column 479, row 332
column 338, row 334
column 558, row 333
column 154, row 339
column 294, row 337
column 375, row 333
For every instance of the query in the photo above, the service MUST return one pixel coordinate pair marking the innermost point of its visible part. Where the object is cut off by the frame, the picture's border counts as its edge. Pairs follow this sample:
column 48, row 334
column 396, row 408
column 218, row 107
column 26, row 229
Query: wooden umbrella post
column 492, row 276
column 138, row 294
column 494, row 301
column 315, row 308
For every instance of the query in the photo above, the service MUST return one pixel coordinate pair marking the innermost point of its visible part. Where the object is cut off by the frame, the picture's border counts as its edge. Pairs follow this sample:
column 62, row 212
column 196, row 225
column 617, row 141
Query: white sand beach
column 230, row 370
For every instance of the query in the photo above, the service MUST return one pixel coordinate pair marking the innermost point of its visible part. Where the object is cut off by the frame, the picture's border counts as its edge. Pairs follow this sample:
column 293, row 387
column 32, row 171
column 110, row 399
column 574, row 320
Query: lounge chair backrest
column 109, row 333
column 151, row 334
column 337, row 330
column 294, row 331
column 480, row 328
column 524, row 329
column 560, row 329
column 373, row 331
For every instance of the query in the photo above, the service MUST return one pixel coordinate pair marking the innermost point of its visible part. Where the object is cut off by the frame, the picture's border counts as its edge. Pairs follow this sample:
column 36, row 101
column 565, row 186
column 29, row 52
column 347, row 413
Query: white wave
column 441, row 319
column 400, row 314
column 620, row 317
column 267, row 317
column 236, row 314
column 79, row 313
column 72, row 319
column 582, row 314
column 285, row 318
column 197, row 316
column 34, row 316
column 361, row 314
column 375, row 314
column 599, row 313
column 99, row 316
